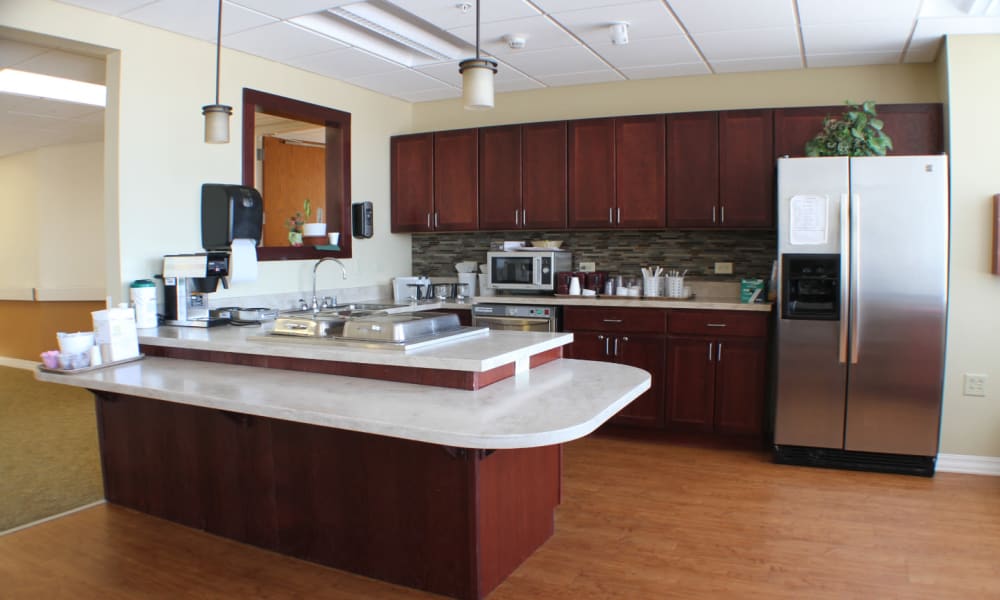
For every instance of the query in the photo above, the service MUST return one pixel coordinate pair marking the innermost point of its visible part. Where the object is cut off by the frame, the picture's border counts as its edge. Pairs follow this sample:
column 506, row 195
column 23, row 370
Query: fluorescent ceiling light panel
column 37, row 85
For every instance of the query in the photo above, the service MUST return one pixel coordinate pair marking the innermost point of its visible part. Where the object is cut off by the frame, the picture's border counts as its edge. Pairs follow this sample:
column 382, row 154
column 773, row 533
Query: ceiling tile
column 281, row 41
column 55, row 109
column 780, row 63
column 824, row 12
column 554, row 6
column 430, row 95
column 111, row 7
column 445, row 14
column 733, row 15
column 345, row 64
column 921, row 52
column 541, row 34
column 751, row 43
column 666, row 71
column 852, row 59
column 286, row 9
column 13, row 53
column 866, row 37
column 603, row 76
column 64, row 64
column 569, row 59
column 398, row 82
column 645, row 19
column 507, row 77
column 196, row 18
column 649, row 52
column 519, row 84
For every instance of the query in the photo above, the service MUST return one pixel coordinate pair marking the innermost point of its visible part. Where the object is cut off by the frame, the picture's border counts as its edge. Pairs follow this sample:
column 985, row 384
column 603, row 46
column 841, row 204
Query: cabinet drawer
column 718, row 323
column 614, row 320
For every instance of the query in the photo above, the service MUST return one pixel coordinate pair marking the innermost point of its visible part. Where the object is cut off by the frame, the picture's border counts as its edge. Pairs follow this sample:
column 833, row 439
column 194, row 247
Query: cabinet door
column 692, row 169
column 646, row 352
column 914, row 128
column 500, row 177
column 591, row 173
column 746, row 169
column 690, row 383
column 640, row 172
column 793, row 127
column 590, row 346
column 412, row 182
column 456, row 180
column 740, row 381
column 544, row 173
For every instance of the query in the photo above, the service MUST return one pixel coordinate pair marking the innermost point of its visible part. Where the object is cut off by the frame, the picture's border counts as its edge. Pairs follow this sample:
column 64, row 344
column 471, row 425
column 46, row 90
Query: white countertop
column 696, row 303
column 557, row 402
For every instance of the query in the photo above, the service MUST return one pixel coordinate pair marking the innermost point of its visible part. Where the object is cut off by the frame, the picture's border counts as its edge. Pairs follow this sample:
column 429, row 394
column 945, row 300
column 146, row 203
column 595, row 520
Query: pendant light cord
column 218, row 51
column 477, row 29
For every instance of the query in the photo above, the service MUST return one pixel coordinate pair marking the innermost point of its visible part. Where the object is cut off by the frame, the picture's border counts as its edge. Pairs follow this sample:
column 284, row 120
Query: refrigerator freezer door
column 811, row 381
column 900, row 209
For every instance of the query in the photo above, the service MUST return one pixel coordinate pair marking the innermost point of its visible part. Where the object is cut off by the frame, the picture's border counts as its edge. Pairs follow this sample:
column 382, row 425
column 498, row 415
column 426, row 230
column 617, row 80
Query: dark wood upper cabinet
column 746, row 169
column 692, row 169
column 591, row 173
column 500, row 177
column 412, row 182
column 640, row 172
column 914, row 128
column 543, row 175
column 456, row 180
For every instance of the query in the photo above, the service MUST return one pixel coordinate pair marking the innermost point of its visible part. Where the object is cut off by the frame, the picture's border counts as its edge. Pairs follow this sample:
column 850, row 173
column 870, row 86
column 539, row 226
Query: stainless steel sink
column 375, row 329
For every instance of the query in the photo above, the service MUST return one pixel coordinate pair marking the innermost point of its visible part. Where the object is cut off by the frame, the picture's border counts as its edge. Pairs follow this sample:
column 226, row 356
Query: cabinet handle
column 612, row 320
column 616, row 347
column 718, row 353
column 428, row 220
column 524, row 217
column 715, row 324
column 435, row 220
column 606, row 340
column 619, row 212
column 516, row 216
column 722, row 211
column 710, row 352
column 611, row 215
column 713, row 214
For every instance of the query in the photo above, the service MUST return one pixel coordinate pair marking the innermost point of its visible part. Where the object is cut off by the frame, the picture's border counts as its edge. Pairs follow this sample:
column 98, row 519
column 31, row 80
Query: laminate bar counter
column 696, row 303
column 439, row 489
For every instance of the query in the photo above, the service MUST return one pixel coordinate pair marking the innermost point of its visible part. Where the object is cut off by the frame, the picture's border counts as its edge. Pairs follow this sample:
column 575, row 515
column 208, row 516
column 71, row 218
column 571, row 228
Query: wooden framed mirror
column 335, row 181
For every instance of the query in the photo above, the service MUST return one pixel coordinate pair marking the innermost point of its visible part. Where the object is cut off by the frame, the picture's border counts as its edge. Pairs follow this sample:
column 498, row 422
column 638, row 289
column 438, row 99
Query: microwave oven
column 526, row 270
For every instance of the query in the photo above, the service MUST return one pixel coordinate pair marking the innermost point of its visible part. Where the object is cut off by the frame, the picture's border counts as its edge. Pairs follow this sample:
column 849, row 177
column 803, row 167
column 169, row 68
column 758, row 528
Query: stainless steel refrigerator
column 862, row 301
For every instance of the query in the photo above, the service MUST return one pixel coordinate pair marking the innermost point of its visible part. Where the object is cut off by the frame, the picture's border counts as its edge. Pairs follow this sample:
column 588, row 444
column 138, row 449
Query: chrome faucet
column 343, row 269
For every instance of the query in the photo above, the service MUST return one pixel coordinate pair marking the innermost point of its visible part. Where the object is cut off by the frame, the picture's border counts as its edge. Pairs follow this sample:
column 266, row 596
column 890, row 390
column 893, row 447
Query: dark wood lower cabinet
column 452, row 521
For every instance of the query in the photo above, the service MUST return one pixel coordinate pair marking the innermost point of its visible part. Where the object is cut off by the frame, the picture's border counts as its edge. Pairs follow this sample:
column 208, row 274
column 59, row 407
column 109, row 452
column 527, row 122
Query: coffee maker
column 228, row 212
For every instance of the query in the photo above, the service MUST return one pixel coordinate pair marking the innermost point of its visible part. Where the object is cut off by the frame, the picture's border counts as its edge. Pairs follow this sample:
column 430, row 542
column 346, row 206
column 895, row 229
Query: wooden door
column 456, row 180
column 544, row 175
column 292, row 173
column 690, row 383
column 500, row 177
column 746, row 169
column 740, row 381
column 412, row 182
column 646, row 352
column 640, row 172
column 692, row 169
column 589, row 346
column 591, row 173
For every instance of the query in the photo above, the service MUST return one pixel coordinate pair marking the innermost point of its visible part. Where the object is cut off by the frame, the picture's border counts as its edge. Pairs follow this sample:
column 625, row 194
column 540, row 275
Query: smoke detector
column 619, row 33
column 516, row 41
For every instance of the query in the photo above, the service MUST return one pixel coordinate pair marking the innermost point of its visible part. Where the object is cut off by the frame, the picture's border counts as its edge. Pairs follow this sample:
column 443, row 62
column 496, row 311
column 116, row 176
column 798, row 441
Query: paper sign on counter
column 808, row 218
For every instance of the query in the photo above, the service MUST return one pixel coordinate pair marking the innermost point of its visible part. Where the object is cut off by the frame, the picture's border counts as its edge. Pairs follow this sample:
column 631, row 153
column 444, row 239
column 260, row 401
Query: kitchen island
column 445, row 490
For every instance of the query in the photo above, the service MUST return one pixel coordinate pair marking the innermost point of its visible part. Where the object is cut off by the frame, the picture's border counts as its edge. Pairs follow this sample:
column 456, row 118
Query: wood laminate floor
column 640, row 519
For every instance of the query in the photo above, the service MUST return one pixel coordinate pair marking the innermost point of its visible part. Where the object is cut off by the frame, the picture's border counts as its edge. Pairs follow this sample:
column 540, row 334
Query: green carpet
column 49, row 460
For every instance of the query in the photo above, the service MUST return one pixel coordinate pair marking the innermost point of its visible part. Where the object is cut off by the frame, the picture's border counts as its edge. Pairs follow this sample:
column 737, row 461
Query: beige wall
column 971, row 425
column 157, row 161
column 19, row 225
column 885, row 84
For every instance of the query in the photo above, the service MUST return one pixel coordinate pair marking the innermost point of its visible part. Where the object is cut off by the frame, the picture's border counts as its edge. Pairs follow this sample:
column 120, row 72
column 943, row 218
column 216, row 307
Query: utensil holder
column 652, row 286
column 675, row 287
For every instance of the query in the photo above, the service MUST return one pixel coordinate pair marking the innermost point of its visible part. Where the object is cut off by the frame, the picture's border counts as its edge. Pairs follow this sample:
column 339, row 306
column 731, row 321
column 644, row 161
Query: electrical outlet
column 975, row 384
column 723, row 268
column 588, row 267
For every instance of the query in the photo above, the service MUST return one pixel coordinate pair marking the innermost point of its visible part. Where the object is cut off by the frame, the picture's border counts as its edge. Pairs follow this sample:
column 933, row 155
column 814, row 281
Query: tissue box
column 751, row 290
column 114, row 333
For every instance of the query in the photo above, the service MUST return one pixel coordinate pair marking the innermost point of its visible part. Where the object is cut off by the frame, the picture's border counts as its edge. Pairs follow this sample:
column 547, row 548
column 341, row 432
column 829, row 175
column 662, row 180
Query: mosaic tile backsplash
column 618, row 252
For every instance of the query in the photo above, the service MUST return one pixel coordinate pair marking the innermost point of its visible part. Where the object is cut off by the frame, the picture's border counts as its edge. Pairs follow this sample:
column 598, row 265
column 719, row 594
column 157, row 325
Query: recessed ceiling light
column 37, row 85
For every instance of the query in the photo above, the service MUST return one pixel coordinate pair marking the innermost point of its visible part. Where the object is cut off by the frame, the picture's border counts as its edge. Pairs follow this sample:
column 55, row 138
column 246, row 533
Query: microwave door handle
column 536, row 271
column 845, row 269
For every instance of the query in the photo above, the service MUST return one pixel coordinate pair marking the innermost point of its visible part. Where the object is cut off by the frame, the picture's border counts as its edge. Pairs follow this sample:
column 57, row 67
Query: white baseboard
column 965, row 463
column 46, row 519
column 18, row 363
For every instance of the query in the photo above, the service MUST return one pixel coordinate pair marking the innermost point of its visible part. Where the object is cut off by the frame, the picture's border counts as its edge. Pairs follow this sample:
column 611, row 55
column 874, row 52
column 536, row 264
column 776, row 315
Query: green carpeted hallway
column 49, row 460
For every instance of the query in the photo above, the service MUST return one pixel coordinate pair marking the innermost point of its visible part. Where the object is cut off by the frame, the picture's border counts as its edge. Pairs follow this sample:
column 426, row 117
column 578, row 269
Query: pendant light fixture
column 477, row 77
column 217, row 115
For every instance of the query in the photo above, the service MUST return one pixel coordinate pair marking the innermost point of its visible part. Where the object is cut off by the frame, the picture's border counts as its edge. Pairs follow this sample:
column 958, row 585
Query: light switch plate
column 975, row 384
column 723, row 268
column 588, row 267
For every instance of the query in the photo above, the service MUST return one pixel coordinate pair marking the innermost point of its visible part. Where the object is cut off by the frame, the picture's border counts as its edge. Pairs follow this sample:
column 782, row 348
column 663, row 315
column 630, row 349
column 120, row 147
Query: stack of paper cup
column 651, row 286
column 675, row 287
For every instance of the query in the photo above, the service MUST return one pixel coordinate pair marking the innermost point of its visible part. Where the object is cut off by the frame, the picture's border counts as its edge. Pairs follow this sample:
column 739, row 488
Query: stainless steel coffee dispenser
column 186, row 277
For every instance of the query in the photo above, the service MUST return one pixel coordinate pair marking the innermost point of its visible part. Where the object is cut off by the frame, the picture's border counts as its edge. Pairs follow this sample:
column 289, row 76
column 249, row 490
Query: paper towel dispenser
column 230, row 212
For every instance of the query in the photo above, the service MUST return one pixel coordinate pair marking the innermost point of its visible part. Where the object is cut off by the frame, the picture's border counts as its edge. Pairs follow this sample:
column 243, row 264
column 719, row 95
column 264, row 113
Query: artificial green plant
column 858, row 132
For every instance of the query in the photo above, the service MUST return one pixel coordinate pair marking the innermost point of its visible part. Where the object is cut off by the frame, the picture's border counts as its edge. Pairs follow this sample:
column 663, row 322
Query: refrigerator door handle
column 855, row 334
column 845, row 269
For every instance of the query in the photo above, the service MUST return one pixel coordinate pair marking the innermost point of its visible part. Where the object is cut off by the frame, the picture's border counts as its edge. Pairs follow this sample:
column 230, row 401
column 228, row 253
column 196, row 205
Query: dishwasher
column 516, row 317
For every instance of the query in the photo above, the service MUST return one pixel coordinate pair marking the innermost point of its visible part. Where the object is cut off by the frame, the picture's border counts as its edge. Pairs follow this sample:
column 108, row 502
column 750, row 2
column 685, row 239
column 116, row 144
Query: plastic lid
column 143, row 283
